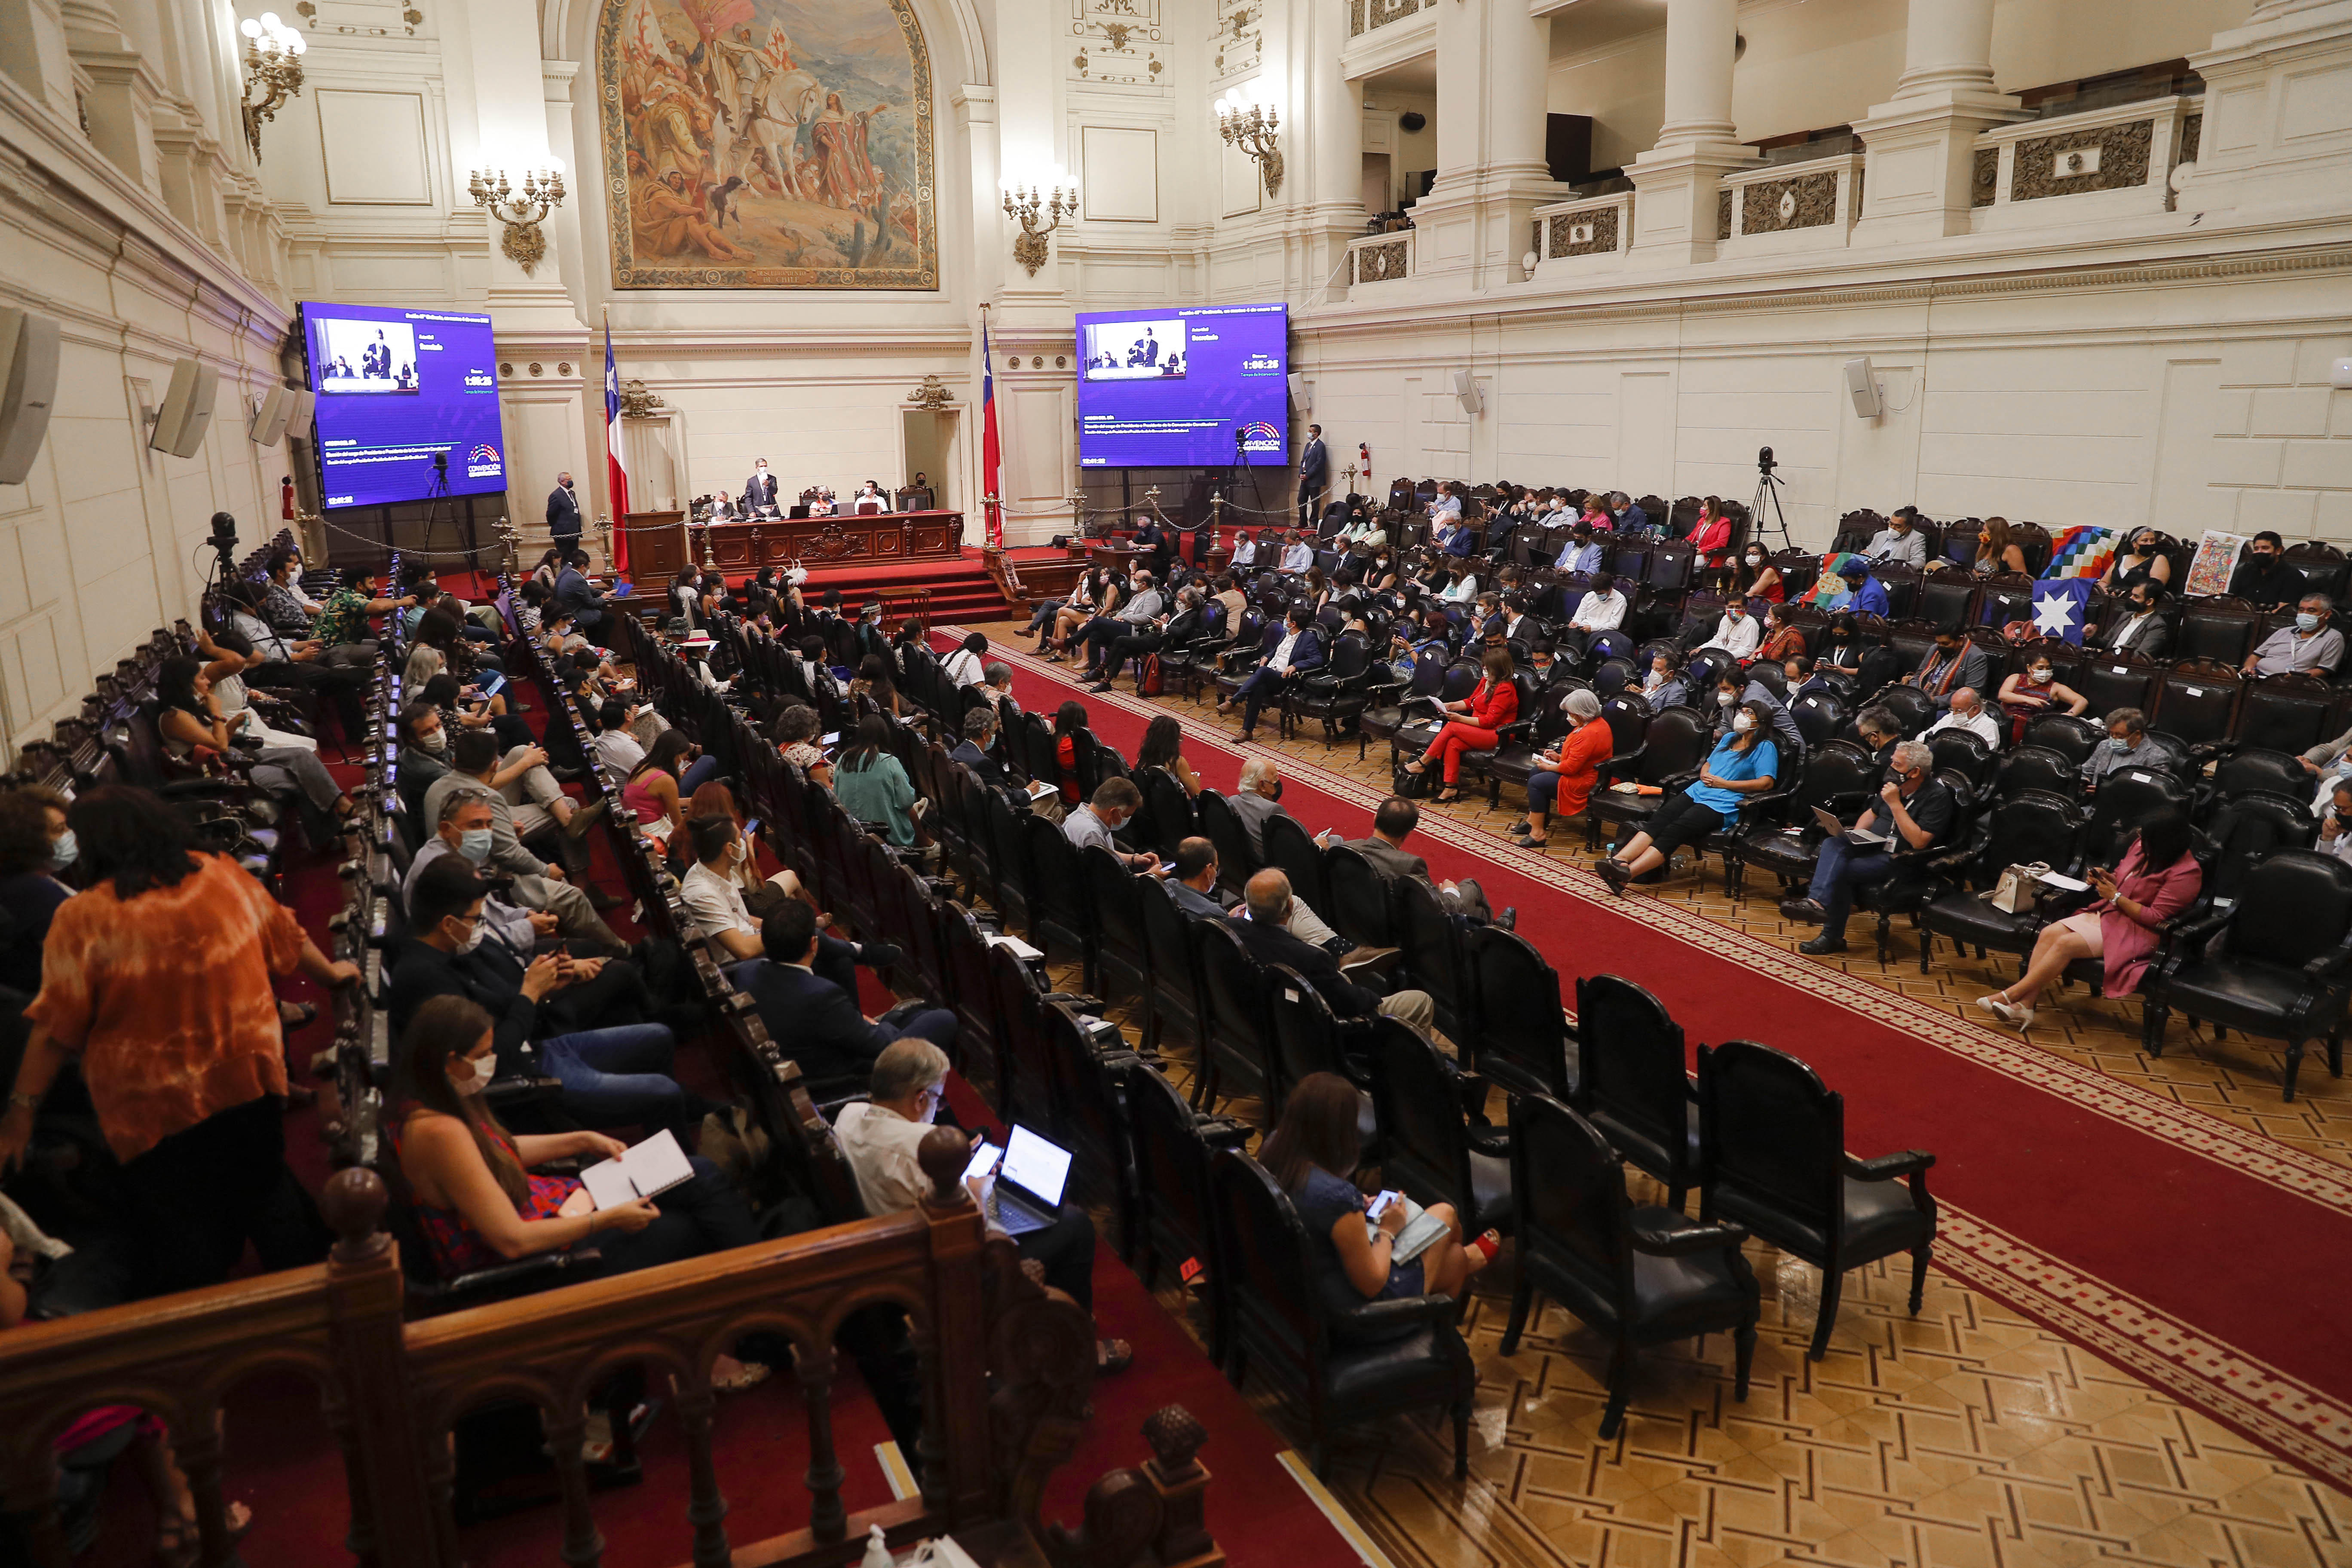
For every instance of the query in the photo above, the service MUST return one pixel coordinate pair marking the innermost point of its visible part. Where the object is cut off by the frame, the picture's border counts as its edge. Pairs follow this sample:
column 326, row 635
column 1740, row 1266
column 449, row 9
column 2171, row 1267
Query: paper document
column 2063, row 884
column 1420, row 1228
column 1021, row 949
column 650, row 1169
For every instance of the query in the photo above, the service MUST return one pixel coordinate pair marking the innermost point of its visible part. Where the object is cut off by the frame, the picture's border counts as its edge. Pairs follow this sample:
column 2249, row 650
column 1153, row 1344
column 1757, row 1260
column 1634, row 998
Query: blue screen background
column 375, row 449
column 1240, row 360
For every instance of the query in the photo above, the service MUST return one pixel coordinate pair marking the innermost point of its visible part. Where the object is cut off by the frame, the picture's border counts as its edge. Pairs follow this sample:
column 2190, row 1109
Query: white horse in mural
column 788, row 100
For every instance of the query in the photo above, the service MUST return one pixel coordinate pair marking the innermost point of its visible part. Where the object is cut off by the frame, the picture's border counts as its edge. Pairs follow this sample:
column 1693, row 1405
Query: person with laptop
column 1914, row 811
column 882, row 1137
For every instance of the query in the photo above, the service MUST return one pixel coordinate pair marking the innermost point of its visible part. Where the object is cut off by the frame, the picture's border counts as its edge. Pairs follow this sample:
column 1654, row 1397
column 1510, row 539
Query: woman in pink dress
column 2157, row 879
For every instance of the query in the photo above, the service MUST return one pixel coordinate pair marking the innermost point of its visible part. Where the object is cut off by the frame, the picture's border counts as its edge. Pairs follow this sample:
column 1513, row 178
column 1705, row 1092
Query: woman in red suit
column 2157, row 879
column 1494, row 703
column 1712, row 533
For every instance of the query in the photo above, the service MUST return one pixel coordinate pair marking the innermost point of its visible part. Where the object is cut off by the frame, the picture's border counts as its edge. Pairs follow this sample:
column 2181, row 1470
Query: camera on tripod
column 441, row 463
column 1764, row 463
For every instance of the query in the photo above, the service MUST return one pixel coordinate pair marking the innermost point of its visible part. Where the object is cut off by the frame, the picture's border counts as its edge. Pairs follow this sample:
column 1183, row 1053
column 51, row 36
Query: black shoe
column 1509, row 919
column 600, row 900
column 1803, row 909
column 1102, row 686
column 567, row 775
column 1614, row 872
column 1823, row 945
column 878, row 954
column 1521, row 825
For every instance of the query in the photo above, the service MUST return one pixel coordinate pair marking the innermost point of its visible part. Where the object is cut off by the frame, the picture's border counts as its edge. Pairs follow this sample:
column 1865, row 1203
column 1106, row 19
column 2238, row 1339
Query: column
column 1675, row 183
column 33, row 51
column 1493, row 61
column 2277, row 138
column 1921, row 143
column 123, row 90
column 1328, row 162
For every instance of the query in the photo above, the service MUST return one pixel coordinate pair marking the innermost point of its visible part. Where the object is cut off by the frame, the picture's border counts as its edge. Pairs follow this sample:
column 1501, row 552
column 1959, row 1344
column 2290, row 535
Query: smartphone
column 1380, row 1202
column 751, row 828
column 983, row 1160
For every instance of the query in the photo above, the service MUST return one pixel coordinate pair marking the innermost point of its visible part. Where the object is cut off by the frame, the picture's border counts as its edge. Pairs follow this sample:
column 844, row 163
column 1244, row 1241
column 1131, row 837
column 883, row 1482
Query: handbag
column 2019, row 889
column 1150, row 681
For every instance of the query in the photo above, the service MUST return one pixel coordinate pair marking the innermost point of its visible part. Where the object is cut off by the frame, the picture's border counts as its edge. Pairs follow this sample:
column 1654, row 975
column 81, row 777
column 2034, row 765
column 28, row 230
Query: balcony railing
column 1584, row 231
column 2104, row 163
column 1379, row 259
column 1363, row 16
column 1811, row 205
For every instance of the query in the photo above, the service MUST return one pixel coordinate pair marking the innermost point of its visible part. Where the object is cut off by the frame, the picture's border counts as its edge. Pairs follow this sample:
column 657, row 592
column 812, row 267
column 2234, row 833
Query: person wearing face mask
column 1782, row 641
column 1602, row 608
column 2310, row 647
column 1745, row 761
column 1842, row 645
column 2138, row 628
column 1662, row 684
column 2263, row 578
column 2034, row 691
column 1133, row 617
column 759, row 490
column 1804, row 677
column 811, row 1016
column 2335, row 822
column 157, row 979
column 2141, row 561
column 1737, row 633
column 881, row 1137
column 1711, row 533
column 1736, row 691
column 1561, row 781
column 1114, row 803
column 1912, row 814
column 1952, row 663
column 36, row 847
column 1900, row 540
column 1581, row 553
column 1754, row 577
column 1968, row 712
column 2126, row 746
column 456, row 947
column 476, row 1204
column 563, row 514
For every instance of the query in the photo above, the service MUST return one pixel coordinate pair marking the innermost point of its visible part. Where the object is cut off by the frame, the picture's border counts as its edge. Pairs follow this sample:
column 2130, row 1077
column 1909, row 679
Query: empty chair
column 1522, row 1039
column 1388, row 1357
column 1115, row 896
column 1636, row 1276
column 2282, row 967
column 1236, row 861
column 1172, row 951
column 1363, row 906
column 1632, row 1082
column 1173, row 1146
column 1298, row 856
column 1773, row 1139
column 1430, row 1150
column 1239, row 1037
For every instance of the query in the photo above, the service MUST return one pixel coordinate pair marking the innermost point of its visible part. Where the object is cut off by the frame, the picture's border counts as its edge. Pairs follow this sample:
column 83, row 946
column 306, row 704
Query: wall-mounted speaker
column 1411, row 121
column 1862, row 387
column 1465, row 387
column 269, row 415
column 187, row 411
column 1302, row 396
column 297, row 416
column 28, row 387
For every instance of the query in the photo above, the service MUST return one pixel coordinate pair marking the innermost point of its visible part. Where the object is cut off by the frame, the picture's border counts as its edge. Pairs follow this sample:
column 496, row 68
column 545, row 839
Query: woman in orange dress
column 158, row 977
column 1493, row 704
column 1563, row 780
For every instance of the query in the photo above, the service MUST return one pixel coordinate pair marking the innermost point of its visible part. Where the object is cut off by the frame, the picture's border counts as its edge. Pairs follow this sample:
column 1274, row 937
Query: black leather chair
column 1334, row 695
column 979, row 1053
column 2073, row 737
column 1674, row 746
column 2037, row 768
column 1089, row 1095
column 1008, row 834
column 1384, row 1358
column 2029, row 828
column 1429, row 1148
column 1168, row 819
column 2283, row 967
column 1236, row 861
column 1363, row 906
column 1388, row 704
column 1173, row 999
column 1308, row 1038
column 1114, row 896
column 1636, row 1276
column 1291, row 851
column 1175, row 1212
column 1240, row 1030
column 1633, row 1084
column 1780, row 837
column 1523, row 1039
column 1061, row 903
column 1773, row 1139
column 1433, row 960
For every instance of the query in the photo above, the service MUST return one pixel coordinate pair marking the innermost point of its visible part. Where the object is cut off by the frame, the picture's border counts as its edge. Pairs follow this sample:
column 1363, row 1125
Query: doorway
column 928, row 437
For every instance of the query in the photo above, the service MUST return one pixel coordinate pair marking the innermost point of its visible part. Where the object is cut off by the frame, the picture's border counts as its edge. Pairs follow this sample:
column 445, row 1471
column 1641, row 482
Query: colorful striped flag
column 616, row 467
column 990, row 448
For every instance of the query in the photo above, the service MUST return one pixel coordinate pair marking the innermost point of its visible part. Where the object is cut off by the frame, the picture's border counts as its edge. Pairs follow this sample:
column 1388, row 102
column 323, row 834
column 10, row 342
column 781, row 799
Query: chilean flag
column 616, row 467
column 990, row 449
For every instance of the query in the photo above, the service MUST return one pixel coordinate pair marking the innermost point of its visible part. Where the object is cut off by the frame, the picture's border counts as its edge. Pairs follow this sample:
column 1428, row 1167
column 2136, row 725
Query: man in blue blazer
column 812, row 1020
column 1296, row 654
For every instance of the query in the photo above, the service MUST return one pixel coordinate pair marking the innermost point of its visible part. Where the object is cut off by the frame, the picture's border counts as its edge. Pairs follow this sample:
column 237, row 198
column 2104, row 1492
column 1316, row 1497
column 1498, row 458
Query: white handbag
column 2018, row 888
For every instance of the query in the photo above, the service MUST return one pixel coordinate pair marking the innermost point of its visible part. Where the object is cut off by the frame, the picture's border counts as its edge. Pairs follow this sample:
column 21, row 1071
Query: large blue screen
column 395, row 388
column 1168, row 388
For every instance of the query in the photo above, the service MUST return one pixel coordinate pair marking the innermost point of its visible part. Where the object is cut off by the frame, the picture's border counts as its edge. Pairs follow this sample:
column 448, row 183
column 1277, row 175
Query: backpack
column 1149, row 682
column 1410, row 785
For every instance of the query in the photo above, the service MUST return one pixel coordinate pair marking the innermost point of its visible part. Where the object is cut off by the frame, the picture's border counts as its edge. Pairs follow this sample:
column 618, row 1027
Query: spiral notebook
column 649, row 1169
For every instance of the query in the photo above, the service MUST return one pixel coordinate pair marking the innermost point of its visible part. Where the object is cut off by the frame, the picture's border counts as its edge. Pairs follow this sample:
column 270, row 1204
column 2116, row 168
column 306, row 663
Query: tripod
column 1234, row 470
column 1767, row 488
column 438, row 506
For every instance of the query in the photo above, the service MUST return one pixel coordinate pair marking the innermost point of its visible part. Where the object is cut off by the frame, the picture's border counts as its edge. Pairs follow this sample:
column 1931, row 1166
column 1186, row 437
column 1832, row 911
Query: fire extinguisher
column 286, row 498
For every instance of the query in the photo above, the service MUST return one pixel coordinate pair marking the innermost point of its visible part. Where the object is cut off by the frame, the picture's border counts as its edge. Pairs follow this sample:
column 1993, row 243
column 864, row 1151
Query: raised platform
column 960, row 585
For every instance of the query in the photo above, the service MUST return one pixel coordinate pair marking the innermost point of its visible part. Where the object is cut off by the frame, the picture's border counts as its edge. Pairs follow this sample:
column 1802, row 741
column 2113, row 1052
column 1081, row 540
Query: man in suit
column 1300, row 651
column 979, row 739
column 1266, row 902
column 811, row 1019
column 1953, row 665
column 1193, row 883
column 2140, row 628
column 1151, row 637
column 759, row 489
column 577, row 594
column 564, row 515
column 1314, row 474
column 1391, row 825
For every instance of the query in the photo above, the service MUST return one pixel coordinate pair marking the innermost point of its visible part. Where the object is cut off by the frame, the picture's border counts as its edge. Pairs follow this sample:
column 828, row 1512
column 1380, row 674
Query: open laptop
column 1858, row 837
column 1029, row 1184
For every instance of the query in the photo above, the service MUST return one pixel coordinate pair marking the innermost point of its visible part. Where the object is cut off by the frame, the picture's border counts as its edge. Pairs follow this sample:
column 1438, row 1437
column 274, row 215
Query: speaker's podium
column 657, row 548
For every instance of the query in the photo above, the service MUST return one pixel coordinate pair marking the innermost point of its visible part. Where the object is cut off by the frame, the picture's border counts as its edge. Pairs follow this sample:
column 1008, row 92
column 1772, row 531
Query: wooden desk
column 657, row 545
column 817, row 542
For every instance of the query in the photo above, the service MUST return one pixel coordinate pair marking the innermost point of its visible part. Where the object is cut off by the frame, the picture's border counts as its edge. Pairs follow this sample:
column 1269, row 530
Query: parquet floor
column 1965, row 1436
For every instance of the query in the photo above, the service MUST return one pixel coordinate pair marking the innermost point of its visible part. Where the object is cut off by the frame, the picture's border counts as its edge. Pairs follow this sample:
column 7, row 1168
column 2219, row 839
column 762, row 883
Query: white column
column 33, row 50
column 120, row 106
column 2277, row 139
column 1328, row 162
column 1472, row 229
column 1921, row 143
column 1675, row 182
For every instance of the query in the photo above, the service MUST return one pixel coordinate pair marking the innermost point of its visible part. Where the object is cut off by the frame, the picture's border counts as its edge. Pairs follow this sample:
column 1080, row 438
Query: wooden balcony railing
column 392, row 1390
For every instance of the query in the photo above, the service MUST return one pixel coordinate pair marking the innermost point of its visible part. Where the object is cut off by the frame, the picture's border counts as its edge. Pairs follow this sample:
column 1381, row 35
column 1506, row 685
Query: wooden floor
column 1966, row 1435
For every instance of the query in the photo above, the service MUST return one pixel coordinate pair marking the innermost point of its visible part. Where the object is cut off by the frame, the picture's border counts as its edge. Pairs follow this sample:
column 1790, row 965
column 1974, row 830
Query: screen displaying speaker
column 402, row 398
column 1171, row 388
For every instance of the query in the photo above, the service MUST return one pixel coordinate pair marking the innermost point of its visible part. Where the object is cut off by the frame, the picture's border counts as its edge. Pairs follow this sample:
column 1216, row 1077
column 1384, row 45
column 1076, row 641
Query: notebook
column 1420, row 1228
column 649, row 1169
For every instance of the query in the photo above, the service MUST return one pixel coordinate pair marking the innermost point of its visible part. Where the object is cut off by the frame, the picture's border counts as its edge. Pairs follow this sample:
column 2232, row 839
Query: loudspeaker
column 297, row 416
column 28, row 388
column 267, row 426
column 187, row 411
column 1465, row 387
column 1302, row 396
column 1861, row 387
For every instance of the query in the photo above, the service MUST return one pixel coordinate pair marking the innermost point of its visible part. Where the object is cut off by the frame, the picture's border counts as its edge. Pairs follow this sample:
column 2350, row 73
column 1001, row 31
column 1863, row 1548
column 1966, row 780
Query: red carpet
column 2208, row 1259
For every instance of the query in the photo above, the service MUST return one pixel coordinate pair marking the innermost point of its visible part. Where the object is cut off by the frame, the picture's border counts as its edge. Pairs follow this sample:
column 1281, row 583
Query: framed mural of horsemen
column 767, row 145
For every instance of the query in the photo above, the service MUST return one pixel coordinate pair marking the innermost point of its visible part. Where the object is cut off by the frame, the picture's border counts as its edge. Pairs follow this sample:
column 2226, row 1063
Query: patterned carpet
column 1972, row 1433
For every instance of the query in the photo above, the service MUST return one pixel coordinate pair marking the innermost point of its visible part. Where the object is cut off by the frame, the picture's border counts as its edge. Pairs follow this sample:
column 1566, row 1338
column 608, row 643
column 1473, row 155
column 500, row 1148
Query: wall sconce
column 273, row 68
column 1029, row 245
column 523, row 212
column 1251, row 126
